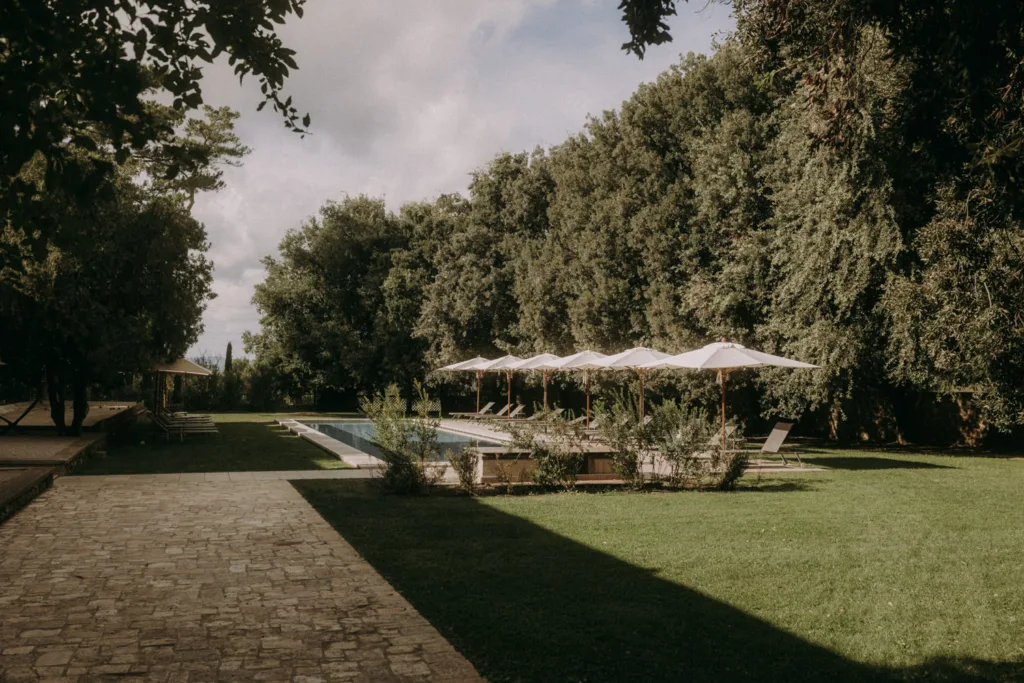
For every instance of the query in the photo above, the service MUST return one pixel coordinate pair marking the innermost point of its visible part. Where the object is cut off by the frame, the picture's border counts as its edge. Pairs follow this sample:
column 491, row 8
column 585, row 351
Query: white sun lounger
column 774, row 441
column 515, row 413
column 480, row 413
column 488, row 416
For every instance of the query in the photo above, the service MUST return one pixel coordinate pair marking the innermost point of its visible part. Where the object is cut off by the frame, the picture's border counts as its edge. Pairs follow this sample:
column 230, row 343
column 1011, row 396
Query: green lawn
column 247, row 442
column 890, row 566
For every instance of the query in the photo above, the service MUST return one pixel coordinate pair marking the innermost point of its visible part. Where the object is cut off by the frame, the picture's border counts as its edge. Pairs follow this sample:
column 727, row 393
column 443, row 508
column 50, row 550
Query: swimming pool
column 360, row 433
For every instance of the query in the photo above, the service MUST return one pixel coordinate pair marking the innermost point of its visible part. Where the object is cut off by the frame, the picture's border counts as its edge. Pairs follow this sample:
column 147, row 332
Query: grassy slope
column 893, row 566
column 247, row 442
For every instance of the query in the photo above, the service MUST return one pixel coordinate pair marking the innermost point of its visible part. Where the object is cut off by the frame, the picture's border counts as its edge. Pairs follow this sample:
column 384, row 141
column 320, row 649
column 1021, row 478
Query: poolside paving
column 151, row 578
column 350, row 455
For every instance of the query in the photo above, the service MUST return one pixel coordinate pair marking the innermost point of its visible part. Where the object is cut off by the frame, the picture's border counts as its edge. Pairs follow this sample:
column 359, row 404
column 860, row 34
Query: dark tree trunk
column 56, row 395
column 81, row 404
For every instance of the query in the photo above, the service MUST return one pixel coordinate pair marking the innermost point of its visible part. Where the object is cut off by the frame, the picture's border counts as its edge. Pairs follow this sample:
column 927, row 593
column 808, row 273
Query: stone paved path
column 138, row 579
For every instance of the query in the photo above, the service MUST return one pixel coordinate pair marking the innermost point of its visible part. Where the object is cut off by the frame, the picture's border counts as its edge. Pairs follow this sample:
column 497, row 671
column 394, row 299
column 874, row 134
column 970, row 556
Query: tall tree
column 70, row 67
column 120, row 285
column 120, row 281
column 323, row 305
column 227, row 359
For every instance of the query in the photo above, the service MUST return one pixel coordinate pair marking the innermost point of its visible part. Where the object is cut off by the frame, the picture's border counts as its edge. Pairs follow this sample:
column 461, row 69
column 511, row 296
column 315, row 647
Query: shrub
column 464, row 463
column 734, row 466
column 691, row 452
column 503, row 469
column 409, row 447
column 631, row 441
column 554, row 446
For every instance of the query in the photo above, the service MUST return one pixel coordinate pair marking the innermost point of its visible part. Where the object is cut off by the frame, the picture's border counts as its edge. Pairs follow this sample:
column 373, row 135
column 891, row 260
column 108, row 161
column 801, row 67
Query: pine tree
column 227, row 359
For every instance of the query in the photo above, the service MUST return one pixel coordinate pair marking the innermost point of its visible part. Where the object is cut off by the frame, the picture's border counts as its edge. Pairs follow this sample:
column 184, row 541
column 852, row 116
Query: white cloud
column 407, row 99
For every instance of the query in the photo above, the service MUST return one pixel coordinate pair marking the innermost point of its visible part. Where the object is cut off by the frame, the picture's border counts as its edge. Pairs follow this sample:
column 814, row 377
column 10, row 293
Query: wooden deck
column 62, row 452
column 101, row 415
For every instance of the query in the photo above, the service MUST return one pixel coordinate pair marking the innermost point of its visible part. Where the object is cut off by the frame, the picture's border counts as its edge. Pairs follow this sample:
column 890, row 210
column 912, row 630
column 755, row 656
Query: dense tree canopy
column 836, row 183
column 69, row 67
column 120, row 281
column 324, row 305
column 102, row 267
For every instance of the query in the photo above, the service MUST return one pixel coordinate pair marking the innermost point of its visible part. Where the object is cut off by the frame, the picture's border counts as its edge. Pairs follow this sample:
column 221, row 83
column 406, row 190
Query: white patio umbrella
column 725, row 356
column 543, row 363
column 468, row 365
column 504, row 364
column 586, row 361
column 634, row 359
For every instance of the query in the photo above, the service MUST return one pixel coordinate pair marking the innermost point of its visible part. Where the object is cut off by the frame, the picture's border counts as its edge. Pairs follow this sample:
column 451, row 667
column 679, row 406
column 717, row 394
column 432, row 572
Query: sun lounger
column 480, row 413
column 489, row 416
column 717, row 438
column 504, row 414
column 185, row 418
column 594, row 428
column 183, row 424
column 188, row 417
column 774, row 441
column 542, row 416
column 515, row 413
column 15, row 409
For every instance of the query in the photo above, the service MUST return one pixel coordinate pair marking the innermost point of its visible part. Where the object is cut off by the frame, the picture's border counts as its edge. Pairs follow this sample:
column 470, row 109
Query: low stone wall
column 495, row 466
column 18, row 487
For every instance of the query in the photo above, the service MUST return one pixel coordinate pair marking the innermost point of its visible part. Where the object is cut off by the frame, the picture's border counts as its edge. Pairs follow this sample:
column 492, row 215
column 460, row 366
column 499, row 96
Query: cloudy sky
column 407, row 98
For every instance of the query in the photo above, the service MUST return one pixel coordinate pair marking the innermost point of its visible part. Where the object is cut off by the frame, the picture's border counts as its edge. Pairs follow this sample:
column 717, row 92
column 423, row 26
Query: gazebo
column 183, row 367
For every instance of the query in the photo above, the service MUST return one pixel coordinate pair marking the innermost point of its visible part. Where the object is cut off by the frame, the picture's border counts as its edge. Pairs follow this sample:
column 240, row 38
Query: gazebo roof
column 183, row 366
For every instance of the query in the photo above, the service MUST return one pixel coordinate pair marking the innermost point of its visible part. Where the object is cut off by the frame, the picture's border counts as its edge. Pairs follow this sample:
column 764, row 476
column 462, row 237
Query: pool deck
column 492, row 431
column 348, row 454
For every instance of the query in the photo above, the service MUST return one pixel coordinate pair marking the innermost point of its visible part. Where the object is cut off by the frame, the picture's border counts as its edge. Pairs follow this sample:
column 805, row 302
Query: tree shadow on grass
column 256, row 446
column 842, row 462
column 525, row 604
column 753, row 485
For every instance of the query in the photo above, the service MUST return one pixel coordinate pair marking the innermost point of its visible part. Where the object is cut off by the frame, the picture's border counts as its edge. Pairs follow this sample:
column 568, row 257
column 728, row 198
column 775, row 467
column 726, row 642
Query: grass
column 887, row 566
column 247, row 442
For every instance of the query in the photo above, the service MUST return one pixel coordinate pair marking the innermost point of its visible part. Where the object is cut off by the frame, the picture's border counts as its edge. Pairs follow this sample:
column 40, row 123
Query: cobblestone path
column 143, row 579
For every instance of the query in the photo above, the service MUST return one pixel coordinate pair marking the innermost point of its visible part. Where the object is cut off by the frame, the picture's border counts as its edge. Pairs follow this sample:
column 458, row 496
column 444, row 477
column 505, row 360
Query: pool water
column 360, row 434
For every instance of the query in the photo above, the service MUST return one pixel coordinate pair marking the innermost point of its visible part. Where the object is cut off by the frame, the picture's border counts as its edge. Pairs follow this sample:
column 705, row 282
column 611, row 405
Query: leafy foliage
column 836, row 183
column 555, row 446
column 410, row 447
column 116, row 282
column 71, row 68
column 646, row 22
column 687, row 448
column 631, row 439
column 325, row 306
column 464, row 463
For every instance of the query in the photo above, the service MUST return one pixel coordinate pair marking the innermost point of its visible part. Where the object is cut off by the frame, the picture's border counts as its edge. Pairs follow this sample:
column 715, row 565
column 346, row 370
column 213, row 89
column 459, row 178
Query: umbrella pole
column 478, row 374
column 721, row 380
column 545, row 391
column 641, row 373
column 508, row 375
column 586, row 373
